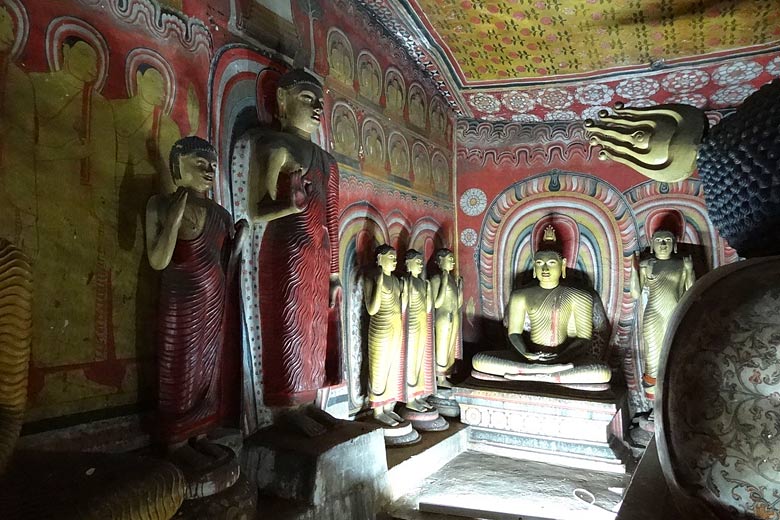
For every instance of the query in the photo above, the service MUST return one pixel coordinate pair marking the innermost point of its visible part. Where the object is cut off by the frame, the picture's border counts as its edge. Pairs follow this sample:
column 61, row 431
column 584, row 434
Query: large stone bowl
column 718, row 430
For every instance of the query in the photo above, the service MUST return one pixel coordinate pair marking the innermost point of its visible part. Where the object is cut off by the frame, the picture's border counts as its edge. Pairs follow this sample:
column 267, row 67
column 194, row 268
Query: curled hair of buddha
column 298, row 77
column 187, row 146
column 383, row 250
column 441, row 253
column 412, row 254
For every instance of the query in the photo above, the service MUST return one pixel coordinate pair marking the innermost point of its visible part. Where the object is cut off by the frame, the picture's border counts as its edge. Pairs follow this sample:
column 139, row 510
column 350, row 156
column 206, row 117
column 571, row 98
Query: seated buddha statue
column 550, row 327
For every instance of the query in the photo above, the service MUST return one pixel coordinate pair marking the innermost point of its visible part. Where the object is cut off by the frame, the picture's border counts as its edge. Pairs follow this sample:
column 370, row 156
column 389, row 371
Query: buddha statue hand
column 659, row 142
column 335, row 290
column 176, row 209
column 688, row 264
column 299, row 187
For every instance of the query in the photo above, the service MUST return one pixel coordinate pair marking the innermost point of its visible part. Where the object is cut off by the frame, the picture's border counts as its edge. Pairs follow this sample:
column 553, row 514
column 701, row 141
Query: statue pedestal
column 537, row 421
column 340, row 474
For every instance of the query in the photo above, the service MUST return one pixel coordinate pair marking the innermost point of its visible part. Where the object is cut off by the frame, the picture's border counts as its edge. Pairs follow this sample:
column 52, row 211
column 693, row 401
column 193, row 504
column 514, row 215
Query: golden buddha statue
column 550, row 326
column 418, row 303
column 664, row 279
column 447, row 291
column 383, row 297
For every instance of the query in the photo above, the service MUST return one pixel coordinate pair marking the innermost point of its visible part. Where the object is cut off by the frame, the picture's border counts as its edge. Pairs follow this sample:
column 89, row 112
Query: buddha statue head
column 445, row 260
column 663, row 244
column 6, row 30
column 549, row 265
column 193, row 163
column 79, row 59
column 151, row 86
column 300, row 103
column 414, row 262
column 386, row 258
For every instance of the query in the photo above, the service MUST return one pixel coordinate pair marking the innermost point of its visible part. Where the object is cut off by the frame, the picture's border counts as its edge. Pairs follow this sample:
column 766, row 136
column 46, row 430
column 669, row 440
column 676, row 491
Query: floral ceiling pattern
column 557, row 60
column 492, row 41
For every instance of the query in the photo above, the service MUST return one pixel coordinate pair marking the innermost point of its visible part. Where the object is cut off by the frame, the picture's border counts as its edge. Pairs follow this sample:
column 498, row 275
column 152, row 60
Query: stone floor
column 485, row 486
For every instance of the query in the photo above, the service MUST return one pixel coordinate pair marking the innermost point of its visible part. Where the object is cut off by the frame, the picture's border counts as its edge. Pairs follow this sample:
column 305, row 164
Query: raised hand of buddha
column 659, row 142
column 176, row 209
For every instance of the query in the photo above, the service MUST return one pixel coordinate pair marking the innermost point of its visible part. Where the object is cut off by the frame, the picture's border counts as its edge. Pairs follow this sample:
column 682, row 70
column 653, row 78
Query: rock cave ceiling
column 559, row 60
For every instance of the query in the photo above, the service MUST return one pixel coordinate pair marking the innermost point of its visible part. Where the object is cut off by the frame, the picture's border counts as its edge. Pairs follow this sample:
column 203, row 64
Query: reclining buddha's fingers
column 631, row 122
column 619, row 134
column 660, row 173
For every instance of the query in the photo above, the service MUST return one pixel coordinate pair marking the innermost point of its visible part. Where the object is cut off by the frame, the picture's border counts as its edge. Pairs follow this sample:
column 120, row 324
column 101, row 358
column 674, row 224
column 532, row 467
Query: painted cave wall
column 94, row 92
column 511, row 175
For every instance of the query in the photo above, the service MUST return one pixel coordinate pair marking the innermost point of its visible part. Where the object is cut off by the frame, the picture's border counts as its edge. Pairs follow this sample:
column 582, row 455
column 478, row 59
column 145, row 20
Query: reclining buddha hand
column 659, row 142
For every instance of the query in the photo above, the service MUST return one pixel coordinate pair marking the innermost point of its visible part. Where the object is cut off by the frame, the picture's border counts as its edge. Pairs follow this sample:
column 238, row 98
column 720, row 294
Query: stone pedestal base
column 401, row 435
column 534, row 421
column 424, row 421
column 237, row 502
column 346, row 466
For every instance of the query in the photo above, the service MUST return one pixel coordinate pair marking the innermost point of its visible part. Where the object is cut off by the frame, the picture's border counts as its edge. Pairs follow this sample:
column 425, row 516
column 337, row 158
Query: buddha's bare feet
column 321, row 416
column 187, row 457
column 299, row 422
column 386, row 419
column 416, row 406
column 210, row 449
column 394, row 416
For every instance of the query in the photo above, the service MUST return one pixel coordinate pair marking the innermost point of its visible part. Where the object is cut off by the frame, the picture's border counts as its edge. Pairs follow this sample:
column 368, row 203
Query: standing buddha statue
column 419, row 347
column 448, row 301
column 664, row 279
column 383, row 297
column 294, row 188
column 191, row 239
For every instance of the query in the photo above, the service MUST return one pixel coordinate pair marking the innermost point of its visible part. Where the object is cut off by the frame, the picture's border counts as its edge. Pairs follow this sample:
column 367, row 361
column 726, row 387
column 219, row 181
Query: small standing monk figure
column 384, row 296
column 664, row 279
column 447, row 301
column 192, row 240
column 550, row 327
column 419, row 347
column 294, row 188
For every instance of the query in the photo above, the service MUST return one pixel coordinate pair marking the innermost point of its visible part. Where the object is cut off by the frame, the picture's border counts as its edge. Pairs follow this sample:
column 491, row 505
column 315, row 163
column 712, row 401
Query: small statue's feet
column 416, row 406
column 422, row 402
column 299, row 422
column 394, row 416
column 385, row 419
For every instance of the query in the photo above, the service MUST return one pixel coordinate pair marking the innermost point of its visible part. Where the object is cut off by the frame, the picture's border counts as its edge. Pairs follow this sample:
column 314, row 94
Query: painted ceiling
column 566, row 59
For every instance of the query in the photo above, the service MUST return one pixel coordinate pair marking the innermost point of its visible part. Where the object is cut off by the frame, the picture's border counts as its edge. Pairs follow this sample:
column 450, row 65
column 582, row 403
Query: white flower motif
column 555, row 98
column 697, row 100
column 773, row 67
column 637, row 88
column 593, row 112
column 640, row 103
column 492, row 117
column 594, row 94
column 473, row 202
column 560, row 115
column 526, row 118
column 732, row 96
column 735, row 73
column 519, row 101
column 687, row 80
column 485, row 102
column 468, row 237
